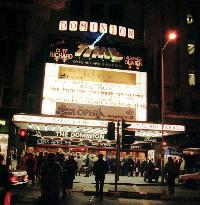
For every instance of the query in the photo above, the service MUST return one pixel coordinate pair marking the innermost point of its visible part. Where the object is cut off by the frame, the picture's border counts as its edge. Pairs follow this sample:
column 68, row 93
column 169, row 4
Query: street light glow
column 172, row 36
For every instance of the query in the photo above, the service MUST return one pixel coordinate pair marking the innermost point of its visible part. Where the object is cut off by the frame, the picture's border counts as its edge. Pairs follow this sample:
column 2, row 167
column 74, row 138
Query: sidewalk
column 133, row 187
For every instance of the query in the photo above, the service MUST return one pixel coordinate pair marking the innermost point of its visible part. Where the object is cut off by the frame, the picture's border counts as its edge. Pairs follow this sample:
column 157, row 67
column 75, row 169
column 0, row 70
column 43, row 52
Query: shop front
column 4, row 134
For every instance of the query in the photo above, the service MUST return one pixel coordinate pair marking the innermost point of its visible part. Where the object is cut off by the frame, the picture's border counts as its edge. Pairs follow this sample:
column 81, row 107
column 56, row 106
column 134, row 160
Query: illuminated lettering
column 113, row 29
column 103, row 28
column 115, row 55
column 97, row 52
column 122, row 31
column 101, row 53
column 73, row 25
column 83, row 26
column 81, row 49
column 131, row 33
column 93, row 26
column 63, row 25
column 97, row 27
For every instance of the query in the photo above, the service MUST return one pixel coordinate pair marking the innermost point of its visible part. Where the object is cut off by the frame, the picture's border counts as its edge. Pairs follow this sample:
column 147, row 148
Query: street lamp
column 171, row 37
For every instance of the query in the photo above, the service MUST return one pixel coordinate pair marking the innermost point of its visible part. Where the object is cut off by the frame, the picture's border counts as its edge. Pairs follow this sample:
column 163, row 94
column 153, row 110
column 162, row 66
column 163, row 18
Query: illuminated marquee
column 96, row 27
column 68, row 88
column 22, row 118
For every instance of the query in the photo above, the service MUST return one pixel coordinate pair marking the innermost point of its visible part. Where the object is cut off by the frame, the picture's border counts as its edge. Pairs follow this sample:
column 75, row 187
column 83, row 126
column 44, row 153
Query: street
column 81, row 199
column 140, row 192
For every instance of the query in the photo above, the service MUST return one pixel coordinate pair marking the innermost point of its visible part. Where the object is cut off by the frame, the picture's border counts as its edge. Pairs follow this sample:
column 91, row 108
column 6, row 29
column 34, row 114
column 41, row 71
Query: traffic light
column 128, row 137
column 22, row 135
column 111, row 131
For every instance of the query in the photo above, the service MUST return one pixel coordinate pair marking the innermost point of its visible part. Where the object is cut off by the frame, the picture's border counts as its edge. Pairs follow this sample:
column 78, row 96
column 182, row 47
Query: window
column 191, row 79
column 189, row 19
column 191, row 48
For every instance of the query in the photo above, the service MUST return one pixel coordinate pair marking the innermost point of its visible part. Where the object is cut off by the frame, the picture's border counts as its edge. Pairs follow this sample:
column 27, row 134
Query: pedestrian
column 137, row 167
column 70, row 167
column 5, row 184
column 100, row 168
column 31, row 165
column 51, row 181
column 149, row 170
column 130, row 166
column 79, row 164
column 142, row 167
column 88, row 166
column 40, row 161
column 171, row 173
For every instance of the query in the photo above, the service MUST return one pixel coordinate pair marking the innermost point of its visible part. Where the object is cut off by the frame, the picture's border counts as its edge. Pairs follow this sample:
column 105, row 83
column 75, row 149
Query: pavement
column 132, row 187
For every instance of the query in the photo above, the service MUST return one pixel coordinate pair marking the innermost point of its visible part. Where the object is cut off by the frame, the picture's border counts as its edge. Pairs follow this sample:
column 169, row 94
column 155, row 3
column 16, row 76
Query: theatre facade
column 86, row 87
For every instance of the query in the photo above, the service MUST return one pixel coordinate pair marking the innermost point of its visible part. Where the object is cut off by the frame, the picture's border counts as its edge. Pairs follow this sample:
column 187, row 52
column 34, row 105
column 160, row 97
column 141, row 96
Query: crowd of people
column 56, row 172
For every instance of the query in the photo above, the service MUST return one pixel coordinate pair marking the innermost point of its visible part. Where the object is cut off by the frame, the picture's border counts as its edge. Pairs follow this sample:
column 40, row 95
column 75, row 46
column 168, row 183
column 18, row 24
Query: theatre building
column 69, row 67
column 84, row 89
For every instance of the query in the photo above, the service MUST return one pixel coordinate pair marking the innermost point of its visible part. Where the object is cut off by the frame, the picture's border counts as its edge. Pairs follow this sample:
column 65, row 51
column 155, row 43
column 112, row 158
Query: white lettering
column 73, row 25
column 113, row 29
column 131, row 33
column 93, row 26
column 62, row 25
column 103, row 28
column 122, row 31
column 83, row 26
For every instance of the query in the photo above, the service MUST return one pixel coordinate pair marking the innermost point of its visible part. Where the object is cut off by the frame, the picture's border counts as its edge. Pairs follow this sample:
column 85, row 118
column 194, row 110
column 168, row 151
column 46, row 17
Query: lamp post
column 171, row 36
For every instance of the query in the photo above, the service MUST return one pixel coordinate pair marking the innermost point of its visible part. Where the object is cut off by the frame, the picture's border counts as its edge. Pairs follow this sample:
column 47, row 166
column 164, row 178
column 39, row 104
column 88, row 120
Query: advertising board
column 94, row 93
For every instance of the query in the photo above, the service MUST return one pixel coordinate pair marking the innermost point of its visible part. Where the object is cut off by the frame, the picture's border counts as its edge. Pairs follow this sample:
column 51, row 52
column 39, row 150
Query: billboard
column 94, row 93
column 68, row 51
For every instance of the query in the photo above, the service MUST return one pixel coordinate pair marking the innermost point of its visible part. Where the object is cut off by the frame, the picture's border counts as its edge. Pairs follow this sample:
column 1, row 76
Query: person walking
column 31, row 165
column 171, row 172
column 70, row 167
column 5, row 184
column 79, row 164
column 51, row 181
column 149, row 171
column 88, row 166
column 100, row 168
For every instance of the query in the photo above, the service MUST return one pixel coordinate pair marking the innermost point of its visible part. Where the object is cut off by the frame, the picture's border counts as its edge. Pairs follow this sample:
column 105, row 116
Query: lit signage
column 96, row 27
column 95, row 111
column 148, row 139
column 151, row 126
column 4, row 126
column 65, row 51
column 22, row 118
column 94, row 93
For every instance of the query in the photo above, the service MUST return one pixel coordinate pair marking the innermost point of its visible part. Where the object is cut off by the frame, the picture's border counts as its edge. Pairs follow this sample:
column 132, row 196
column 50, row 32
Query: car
column 154, row 175
column 19, row 178
column 190, row 180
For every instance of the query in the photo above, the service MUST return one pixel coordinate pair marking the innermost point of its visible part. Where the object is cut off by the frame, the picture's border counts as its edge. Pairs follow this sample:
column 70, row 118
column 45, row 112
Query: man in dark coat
column 51, row 180
column 100, row 168
column 171, row 172
column 5, row 183
column 70, row 167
